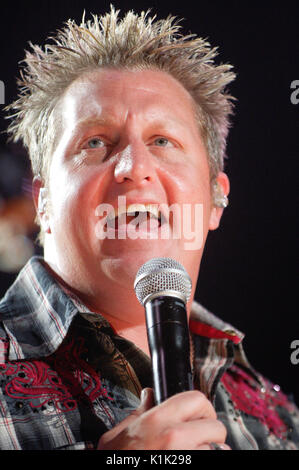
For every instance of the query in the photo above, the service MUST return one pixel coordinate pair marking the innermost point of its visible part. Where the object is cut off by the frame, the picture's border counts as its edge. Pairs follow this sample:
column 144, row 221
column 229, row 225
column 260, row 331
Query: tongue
column 142, row 221
column 148, row 225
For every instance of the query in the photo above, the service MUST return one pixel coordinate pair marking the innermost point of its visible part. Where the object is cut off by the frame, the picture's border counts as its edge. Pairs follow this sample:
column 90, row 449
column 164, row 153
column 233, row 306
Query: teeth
column 153, row 209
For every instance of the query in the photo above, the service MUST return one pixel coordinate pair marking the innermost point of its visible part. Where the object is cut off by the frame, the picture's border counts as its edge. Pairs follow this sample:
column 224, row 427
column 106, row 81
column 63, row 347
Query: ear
column 40, row 198
column 216, row 211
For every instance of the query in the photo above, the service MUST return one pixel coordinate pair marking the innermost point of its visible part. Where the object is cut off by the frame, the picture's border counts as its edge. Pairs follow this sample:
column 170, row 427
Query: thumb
column 146, row 402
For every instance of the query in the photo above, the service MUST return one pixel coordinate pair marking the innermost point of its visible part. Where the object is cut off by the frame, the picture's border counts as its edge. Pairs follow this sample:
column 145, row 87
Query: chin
column 122, row 266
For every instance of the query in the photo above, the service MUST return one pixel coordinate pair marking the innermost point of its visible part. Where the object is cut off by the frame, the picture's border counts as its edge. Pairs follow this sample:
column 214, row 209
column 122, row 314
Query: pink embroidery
column 257, row 402
column 36, row 380
column 63, row 379
column 3, row 349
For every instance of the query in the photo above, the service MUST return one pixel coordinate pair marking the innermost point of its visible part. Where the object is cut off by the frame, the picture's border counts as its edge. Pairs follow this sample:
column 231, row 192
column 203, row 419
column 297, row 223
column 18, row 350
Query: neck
column 122, row 311
column 109, row 297
column 136, row 333
column 126, row 316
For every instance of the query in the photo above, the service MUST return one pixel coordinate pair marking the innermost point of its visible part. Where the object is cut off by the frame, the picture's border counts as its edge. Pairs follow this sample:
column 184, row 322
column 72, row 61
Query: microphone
column 163, row 287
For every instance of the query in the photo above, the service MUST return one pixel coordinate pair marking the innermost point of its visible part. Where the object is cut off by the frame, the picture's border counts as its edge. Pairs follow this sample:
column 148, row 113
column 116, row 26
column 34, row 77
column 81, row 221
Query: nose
column 134, row 163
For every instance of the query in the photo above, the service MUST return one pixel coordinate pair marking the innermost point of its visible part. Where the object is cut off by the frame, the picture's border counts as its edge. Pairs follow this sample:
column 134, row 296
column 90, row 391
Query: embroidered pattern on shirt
column 253, row 400
column 60, row 379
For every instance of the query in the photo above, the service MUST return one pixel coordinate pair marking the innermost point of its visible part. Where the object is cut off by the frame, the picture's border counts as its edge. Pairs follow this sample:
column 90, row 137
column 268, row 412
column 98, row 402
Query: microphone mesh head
column 162, row 275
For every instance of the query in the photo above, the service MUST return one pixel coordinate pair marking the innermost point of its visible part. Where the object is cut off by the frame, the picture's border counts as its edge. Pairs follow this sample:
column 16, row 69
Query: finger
column 203, row 447
column 218, row 446
column 183, row 406
column 146, row 402
column 192, row 434
column 213, row 446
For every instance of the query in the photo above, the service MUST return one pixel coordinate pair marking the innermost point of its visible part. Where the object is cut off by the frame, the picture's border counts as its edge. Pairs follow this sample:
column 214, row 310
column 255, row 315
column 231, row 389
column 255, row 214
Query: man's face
column 132, row 135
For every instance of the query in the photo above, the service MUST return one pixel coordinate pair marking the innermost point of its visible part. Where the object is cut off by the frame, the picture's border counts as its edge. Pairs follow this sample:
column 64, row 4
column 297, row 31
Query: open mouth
column 145, row 217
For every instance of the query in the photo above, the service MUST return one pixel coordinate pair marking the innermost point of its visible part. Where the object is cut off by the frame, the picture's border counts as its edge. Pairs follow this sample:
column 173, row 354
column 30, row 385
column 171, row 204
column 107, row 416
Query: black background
column 248, row 274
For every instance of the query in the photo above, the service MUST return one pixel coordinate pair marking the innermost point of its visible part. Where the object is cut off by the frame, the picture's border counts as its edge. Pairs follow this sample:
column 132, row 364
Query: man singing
column 123, row 110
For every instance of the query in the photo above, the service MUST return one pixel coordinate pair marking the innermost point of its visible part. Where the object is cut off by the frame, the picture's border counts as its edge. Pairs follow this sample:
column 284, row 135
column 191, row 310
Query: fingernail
column 224, row 447
column 143, row 395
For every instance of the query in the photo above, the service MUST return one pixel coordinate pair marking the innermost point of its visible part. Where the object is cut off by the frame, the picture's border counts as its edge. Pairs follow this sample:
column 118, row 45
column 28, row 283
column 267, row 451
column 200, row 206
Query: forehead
column 119, row 92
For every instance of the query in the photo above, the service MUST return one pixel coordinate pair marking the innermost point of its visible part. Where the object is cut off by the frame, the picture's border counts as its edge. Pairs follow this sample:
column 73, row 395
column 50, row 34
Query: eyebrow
column 94, row 120
column 111, row 120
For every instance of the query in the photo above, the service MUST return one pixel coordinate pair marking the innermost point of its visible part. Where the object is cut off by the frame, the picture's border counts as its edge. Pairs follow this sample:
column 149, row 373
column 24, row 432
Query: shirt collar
column 37, row 311
column 204, row 323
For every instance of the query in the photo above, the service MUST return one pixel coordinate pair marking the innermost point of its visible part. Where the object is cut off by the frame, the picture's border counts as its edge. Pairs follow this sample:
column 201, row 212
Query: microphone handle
column 168, row 338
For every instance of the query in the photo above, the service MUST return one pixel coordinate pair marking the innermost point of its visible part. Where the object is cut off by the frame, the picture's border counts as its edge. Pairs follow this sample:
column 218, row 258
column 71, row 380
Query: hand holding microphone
column 183, row 418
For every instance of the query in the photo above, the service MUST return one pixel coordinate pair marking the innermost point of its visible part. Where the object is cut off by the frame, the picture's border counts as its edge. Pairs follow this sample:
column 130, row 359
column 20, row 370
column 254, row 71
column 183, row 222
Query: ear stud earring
column 42, row 200
column 220, row 199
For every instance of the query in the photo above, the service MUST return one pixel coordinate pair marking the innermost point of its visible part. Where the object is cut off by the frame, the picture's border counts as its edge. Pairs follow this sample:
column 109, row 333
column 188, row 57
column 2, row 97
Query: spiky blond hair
column 133, row 42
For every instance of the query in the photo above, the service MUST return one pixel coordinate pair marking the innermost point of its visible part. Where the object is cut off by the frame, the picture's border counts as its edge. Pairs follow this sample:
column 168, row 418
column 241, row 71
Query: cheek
column 189, row 186
column 74, row 197
column 188, row 183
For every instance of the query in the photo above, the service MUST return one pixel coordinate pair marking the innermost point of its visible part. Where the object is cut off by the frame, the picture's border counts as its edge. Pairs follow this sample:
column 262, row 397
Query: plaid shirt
column 66, row 377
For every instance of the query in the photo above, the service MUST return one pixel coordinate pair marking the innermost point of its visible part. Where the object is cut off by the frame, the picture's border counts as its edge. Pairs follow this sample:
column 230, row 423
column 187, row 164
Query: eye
column 95, row 142
column 161, row 141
